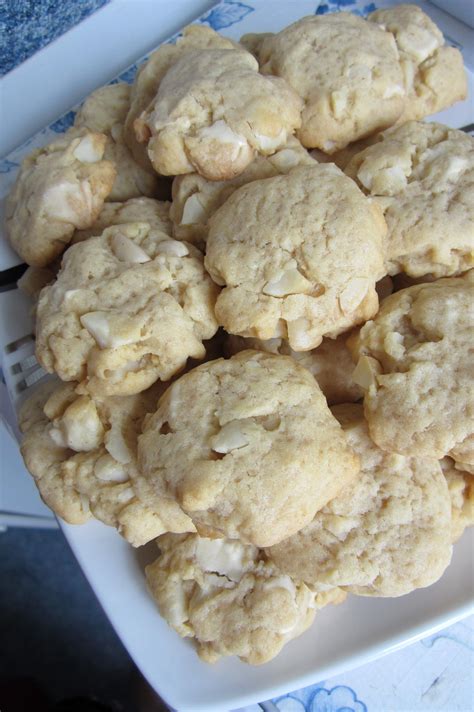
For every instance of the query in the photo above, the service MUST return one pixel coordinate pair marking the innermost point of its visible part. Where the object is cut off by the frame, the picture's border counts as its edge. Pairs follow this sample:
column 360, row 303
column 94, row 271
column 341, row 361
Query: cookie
column 227, row 598
column 213, row 113
column 105, row 110
column 234, row 443
column 128, row 308
column 151, row 73
column 82, row 455
column 433, row 73
column 347, row 74
column 331, row 364
column 279, row 248
column 253, row 42
column 34, row 279
column 461, row 491
column 415, row 365
column 196, row 199
column 153, row 212
column 388, row 531
column 463, row 454
column 422, row 176
column 60, row 188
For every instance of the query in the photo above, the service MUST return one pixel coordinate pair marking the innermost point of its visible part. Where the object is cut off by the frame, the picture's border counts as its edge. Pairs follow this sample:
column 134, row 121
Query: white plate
column 342, row 637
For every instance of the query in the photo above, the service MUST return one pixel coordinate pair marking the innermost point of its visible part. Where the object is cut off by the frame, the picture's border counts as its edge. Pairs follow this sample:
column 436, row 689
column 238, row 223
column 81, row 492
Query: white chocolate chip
column 456, row 166
column 221, row 556
column 194, row 212
column 98, row 324
column 57, row 437
column 288, row 281
column 353, row 294
column 329, row 145
column 366, row 372
column 285, row 159
column 98, row 327
column 81, row 426
column 88, row 150
column 107, row 469
column 339, row 101
column 229, row 438
column 128, row 251
column 298, row 334
column 220, row 131
column 172, row 247
column 284, row 582
column 63, row 201
column 393, row 90
column 270, row 143
column 116, row 445
column 126, row 496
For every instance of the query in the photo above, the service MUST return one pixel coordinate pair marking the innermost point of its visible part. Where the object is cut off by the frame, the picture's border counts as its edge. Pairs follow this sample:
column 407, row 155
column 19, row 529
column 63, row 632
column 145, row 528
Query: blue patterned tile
column 29, row 25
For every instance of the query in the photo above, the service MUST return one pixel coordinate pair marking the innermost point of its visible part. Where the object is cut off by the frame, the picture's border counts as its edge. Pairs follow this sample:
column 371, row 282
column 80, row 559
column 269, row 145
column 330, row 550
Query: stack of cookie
column 325, row 444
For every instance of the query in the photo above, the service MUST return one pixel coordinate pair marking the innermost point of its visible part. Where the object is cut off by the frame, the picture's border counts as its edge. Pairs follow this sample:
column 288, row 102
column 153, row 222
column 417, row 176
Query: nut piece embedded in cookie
column 128, row 308
column 196, row 199
column 234, row 443
column 60, row 188
column 82, row 455
column 433, row 73
column 331, row 364
column 347, row 74
column 105, row 110
column 422, row 176
column 213, row 112
column 228, row 597
column 280, row 248
column 388, row 531
column 419, row 401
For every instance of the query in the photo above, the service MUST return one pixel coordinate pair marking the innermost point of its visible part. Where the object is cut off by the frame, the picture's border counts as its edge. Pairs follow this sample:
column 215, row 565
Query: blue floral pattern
column 225, row 14
column 317, row 699
column 64, row 123
column 344, row 6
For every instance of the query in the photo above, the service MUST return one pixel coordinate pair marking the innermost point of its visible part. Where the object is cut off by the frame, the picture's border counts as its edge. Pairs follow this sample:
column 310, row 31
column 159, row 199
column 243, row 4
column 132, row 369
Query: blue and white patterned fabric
column 435, row 673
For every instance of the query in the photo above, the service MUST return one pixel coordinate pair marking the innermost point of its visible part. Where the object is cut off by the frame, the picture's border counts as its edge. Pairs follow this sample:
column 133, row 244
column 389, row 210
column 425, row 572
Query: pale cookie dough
column 213, row 113
column 196, row 199
column 461, row 491
column 463, row 454
column 105, row 110
column 82, row 455
column 128, row 308
column 331, row 364
column 279, row 246
column 154, row 212
column 347, row 74
column 253, row 42
column 422, row 176
column 234, row 443
column 228, row 598
column 60, row 188
column 388, row 531
column 415, row 364
column 150, row 75
column 433, row 73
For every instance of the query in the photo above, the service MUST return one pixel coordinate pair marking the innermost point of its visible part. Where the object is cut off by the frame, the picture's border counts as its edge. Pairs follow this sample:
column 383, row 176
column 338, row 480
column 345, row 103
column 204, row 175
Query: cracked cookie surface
column 82, row 454
column 228, row 598
column 422, row 176
column 347, row 74
column 415, row 365
column 388, row 531
column 279, row 248
column 234, row 443
column 433, row 73
column 60, row 188
column 128, row 308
